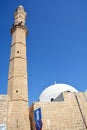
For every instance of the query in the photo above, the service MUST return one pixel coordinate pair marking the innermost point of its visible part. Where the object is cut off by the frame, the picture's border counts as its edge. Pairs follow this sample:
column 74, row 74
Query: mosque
column 60, row 106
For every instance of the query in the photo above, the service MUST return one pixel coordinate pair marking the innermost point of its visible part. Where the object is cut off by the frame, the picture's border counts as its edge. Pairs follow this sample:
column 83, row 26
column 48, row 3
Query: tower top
column 20, row 6
column 19, row 16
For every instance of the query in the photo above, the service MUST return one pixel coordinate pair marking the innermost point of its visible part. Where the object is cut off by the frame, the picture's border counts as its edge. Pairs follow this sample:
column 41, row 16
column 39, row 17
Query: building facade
column 69, row 114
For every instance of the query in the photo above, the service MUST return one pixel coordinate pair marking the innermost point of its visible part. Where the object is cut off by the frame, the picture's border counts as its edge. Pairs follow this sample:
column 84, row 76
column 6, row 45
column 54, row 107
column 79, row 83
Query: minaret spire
column 17, row 79
column 18, row 113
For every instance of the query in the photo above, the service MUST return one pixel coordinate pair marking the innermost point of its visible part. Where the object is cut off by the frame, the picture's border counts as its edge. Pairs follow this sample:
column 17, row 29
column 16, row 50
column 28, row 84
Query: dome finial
column 54, row 82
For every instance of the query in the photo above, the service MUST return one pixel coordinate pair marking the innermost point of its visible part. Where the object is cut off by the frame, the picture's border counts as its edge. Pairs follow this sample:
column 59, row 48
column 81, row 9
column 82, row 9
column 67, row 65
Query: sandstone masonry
column 70, row 114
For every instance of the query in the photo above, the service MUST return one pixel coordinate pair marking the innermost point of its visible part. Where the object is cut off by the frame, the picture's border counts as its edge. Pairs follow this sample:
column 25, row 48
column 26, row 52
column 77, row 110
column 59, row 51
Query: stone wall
column 18, row 115
column 70, row 114
column 3, row 109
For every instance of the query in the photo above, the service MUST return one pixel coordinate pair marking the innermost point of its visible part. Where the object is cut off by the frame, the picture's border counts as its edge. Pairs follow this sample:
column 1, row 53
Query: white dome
column 54, row 91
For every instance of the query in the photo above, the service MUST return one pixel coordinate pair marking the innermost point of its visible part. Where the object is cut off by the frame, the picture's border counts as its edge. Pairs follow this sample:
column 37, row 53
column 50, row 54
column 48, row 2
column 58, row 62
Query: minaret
column 18, row 114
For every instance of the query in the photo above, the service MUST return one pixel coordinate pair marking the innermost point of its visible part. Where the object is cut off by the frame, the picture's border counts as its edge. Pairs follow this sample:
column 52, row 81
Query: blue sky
column 56, row 44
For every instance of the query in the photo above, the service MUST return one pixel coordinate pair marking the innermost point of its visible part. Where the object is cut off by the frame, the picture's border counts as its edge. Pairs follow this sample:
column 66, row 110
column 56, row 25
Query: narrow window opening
column 16, row 91
column 52, row 99
column 17, row 51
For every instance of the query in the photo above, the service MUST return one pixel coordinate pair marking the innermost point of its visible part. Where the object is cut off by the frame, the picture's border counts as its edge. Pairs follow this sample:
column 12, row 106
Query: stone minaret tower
column 18, row 112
